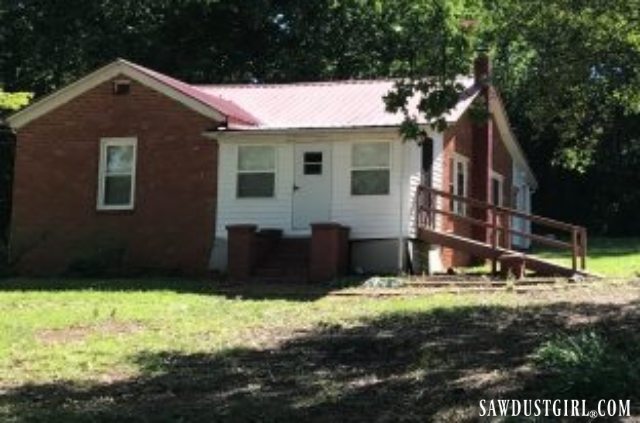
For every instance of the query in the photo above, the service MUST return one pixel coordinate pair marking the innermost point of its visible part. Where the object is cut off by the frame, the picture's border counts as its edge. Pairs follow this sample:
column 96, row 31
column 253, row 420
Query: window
column 370, row 168
column 459, row 182
column 497, row 189
column 313, row 163
column 256, row 172
column 117, row 173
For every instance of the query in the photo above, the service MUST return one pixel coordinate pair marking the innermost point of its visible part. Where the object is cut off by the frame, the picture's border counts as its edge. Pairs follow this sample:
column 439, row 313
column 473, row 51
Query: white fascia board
column 496, row 107
column 104, row 74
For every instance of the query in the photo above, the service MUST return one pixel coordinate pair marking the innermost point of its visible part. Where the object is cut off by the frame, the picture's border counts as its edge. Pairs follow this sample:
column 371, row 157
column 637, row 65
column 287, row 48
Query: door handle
column 295, row 188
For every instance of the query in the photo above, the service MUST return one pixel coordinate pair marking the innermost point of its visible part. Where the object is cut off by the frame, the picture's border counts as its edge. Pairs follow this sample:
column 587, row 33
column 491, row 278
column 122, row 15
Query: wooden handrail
column 556, row 224
column 473, row 221
column 460, row 217
column 500, row 223
column 541, row 239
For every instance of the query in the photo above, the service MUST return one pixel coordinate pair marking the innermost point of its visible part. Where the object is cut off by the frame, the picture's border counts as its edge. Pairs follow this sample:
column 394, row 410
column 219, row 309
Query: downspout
column 401, row 186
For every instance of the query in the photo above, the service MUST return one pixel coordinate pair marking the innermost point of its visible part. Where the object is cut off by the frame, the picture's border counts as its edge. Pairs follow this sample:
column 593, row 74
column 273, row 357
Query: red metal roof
column 233, row 112
column 335, row 104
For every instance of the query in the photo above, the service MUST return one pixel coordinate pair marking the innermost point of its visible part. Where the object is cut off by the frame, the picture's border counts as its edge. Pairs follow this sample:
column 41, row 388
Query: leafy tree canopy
column 568, row 69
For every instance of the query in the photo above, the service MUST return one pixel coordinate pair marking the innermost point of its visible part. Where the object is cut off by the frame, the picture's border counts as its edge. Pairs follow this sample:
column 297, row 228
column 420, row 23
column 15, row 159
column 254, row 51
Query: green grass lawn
column 172, row 350
column 613, row 257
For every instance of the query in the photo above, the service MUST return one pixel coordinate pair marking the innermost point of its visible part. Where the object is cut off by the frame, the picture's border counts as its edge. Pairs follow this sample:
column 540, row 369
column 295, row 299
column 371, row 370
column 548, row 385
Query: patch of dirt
column 78, row 333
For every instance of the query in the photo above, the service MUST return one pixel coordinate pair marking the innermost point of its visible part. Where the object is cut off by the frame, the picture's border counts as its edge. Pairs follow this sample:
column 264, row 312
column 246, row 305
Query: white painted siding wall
column 437, row 173
column 369, row 217
column 437, row 182
column 265, row 212
column 412, row 178
column 523, row 203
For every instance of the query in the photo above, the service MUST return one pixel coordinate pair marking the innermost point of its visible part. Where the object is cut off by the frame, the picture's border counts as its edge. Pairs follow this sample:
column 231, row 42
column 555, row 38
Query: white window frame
column 498, row 177
column 459, row 207
column 102, row 172
column 238, row 172
column 353, row 168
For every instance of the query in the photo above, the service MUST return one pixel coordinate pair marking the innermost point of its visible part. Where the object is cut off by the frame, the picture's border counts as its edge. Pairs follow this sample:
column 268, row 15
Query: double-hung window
column 256, row 171
column 370, row 168
column 117, row 173
column 459, row 182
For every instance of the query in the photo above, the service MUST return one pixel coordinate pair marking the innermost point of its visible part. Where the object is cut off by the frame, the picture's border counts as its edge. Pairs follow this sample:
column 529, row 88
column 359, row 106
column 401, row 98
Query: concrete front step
column 286, row 261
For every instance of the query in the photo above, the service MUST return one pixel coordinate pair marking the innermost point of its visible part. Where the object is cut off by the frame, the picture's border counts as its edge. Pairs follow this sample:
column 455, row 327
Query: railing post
column 506, row 226
column 583, row 247
column 574, row 249
column 433, row 206
column 494, row 239
column 418, row 217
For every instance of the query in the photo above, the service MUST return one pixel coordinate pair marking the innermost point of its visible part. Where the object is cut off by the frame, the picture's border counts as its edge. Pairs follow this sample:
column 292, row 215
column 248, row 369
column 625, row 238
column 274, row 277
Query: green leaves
column 14, row 101
column 568, row 68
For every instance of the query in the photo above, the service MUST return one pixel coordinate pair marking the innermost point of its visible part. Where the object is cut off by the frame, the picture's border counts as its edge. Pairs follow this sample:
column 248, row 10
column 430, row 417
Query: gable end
column 102, row 75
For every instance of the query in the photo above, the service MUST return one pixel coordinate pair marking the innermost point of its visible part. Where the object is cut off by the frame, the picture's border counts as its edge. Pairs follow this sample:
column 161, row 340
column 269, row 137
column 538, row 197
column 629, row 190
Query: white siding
column 523, row 203
column 437, row 172
column 413, row 177
column 375, row 216
column 437, row 182
column 369, row 217
column 264, row 212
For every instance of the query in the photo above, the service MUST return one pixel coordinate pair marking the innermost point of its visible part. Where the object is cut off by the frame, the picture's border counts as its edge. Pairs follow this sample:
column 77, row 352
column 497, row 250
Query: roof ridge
column 336, row 82
column 300, row 84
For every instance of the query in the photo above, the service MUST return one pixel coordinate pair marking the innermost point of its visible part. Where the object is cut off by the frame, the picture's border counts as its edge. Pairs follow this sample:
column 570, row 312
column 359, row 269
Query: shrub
column 591, row 365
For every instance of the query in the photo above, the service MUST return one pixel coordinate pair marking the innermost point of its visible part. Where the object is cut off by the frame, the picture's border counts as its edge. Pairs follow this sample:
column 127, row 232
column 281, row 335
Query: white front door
column 312, row 186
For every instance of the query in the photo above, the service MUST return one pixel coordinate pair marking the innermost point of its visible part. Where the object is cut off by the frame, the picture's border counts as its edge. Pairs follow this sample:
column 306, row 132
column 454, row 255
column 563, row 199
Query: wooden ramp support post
column 512, row 265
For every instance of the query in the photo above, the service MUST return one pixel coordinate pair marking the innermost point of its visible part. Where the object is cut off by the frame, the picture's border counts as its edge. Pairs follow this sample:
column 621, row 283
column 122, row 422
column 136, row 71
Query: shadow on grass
column 256, row 291
column 401, row 367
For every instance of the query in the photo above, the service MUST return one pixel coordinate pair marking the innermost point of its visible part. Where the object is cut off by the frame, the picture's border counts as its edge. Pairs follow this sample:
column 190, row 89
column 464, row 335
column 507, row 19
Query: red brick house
column 131, row 169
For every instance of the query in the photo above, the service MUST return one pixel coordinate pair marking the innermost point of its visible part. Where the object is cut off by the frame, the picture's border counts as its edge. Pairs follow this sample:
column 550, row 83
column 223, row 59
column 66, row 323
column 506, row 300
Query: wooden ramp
column 500, row 254
column 498, row 248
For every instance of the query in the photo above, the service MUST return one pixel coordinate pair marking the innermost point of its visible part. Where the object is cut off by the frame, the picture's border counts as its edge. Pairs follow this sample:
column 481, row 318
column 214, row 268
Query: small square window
column 313, row 157
column 312, row 169
column 313, row 163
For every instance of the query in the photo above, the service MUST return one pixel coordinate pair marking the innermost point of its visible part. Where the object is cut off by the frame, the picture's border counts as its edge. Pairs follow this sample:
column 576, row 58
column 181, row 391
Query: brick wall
column 459, row 139
column 56, row 226
column 503, row 164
